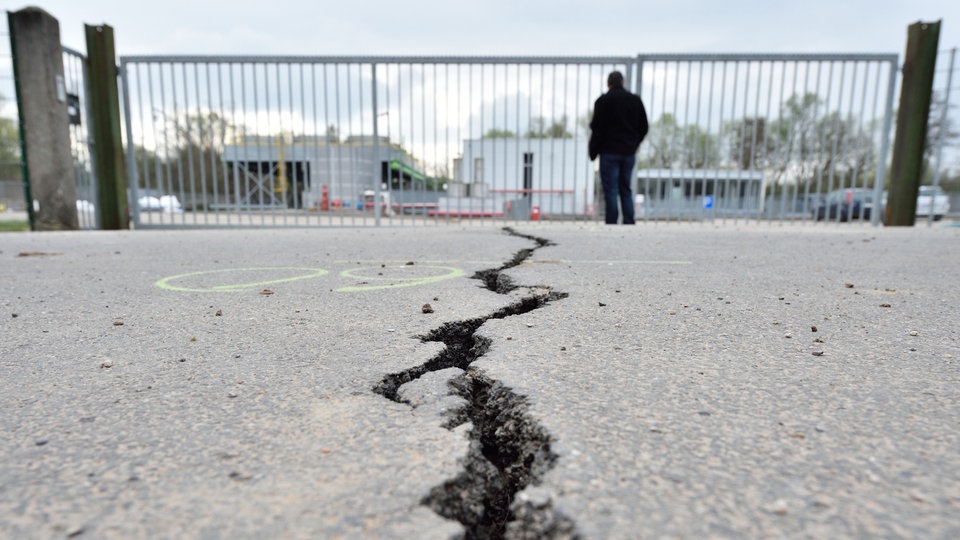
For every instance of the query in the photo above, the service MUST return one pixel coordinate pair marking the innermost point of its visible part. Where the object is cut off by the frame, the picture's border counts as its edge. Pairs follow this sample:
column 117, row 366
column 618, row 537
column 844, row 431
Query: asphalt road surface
column 556, row 381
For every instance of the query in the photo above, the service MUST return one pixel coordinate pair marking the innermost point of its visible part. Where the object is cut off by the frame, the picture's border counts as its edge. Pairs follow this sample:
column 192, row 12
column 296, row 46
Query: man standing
column 618, row 127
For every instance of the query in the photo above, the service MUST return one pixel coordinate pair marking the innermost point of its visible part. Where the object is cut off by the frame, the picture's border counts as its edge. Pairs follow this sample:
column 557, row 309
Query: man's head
column 615, row 80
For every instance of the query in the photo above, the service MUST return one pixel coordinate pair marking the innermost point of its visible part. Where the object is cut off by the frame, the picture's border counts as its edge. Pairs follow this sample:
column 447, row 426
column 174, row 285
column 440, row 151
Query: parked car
column 845, row 205
column 932, row 195
column 168, row 204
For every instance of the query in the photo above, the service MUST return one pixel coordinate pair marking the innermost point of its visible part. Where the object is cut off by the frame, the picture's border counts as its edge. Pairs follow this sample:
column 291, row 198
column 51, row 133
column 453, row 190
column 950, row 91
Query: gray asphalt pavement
column 680, row 381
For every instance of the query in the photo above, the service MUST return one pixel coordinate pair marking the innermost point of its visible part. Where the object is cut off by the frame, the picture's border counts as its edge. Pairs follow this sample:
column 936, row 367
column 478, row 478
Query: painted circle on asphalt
column 394, row 277
column 237, row 279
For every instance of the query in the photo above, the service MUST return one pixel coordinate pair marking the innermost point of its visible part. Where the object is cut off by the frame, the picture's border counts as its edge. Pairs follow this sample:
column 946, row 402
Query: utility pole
column 915, row 96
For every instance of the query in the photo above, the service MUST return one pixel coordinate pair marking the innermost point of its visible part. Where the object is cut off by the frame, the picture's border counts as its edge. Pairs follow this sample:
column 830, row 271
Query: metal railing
column 75, row 84
column 303, row 141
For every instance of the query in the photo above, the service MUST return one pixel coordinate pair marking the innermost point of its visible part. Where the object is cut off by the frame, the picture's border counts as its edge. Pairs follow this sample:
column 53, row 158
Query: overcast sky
column 502, row 27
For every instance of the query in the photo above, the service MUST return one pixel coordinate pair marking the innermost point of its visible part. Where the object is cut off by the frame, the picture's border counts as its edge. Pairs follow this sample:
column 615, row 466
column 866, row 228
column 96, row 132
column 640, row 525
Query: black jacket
column 619, row 123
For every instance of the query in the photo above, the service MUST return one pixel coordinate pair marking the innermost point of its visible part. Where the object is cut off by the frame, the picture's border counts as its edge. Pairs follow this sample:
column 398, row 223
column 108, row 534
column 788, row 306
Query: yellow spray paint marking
column 195, row 277
column 395, row 277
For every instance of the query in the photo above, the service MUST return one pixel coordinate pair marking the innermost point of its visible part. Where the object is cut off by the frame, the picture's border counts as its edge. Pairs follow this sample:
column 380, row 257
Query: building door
column 528, row 175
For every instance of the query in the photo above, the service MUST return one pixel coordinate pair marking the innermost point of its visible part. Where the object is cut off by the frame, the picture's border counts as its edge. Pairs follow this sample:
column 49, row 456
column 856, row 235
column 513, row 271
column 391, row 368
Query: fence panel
column 75, row 83
column 304, row 141
column 749, row 137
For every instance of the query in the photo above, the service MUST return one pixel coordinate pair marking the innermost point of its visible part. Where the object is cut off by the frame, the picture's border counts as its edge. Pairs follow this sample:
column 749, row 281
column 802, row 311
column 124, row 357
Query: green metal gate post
column 105, row 117
column 911, row 135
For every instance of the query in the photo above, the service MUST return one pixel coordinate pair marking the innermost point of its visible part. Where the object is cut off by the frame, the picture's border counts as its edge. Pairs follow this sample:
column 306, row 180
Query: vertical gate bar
column 257, row 134
column 338, row 172
column 709, row 130
column 458, row 171
column 821, row 187
column 881, row 164
column 844, row 137
column 328, row 146
column 858, row 182
column 375, row 166
column 394, row 101
column 794, row 187
column 565, row 175
column 724, row 204
column 136, row 180
column 938, row 160
column 300, row 205
column 188, row 141
column 437, row 168
column 289, row 211
column 202, row 135
column 574, row 215
column 237, row 168
column 754, row 138
column 700, row 146
column 782, row 186
column 783, row 97
column 811, row 180
column 218, row 127
column 521, row 146
column 447, row 158
column 311, row 157
column 760, row 150
column 176, row 139
column 275, row 142
column 391, row 145
column 745, row 212
column 689, row 210
column 221, row 181
column 836, row 130
column 131, row 143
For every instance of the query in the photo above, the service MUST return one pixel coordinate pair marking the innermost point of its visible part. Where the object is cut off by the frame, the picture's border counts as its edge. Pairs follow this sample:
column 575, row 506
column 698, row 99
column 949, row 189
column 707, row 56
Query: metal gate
column 75, row 85
column 317, row 141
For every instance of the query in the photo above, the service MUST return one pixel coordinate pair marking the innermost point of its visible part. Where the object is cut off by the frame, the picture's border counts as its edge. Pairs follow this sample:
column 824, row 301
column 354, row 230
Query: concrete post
column 42, row 98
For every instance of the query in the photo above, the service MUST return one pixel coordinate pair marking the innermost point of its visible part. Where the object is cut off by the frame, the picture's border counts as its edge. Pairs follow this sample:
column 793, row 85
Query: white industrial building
column 513, row 176
column 305, row 171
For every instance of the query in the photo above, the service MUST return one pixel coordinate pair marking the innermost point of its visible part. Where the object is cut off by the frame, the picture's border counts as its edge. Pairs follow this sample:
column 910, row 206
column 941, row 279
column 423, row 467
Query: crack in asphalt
column 509, row 450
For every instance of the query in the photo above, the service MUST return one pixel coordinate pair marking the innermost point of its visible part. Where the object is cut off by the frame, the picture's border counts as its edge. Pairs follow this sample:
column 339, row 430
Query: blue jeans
column 616, row 173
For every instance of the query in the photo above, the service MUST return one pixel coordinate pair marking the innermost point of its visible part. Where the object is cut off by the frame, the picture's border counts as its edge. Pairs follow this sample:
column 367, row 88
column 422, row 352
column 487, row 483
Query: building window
column 478, row 169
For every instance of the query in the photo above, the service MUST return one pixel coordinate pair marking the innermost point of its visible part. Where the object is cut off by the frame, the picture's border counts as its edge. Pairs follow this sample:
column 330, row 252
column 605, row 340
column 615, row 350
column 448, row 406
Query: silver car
column 932, row 200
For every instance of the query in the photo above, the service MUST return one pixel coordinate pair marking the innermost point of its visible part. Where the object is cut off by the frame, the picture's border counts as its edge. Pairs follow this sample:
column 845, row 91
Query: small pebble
column 106, row 364
column 427, row 308
column 914, row 333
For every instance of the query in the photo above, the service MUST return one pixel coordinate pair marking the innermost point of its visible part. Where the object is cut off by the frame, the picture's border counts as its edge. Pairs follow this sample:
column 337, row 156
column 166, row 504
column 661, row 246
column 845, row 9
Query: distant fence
column 415, row 140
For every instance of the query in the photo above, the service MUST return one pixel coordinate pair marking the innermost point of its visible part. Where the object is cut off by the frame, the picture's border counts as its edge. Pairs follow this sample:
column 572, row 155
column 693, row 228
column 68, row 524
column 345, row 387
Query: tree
column 10, row 168
column 333, row 134
column 688, row 147
column 192, row 155
column 556, row 130
column 497, row 133
column 749, row 146
column 938, row 125
column 818, row 150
